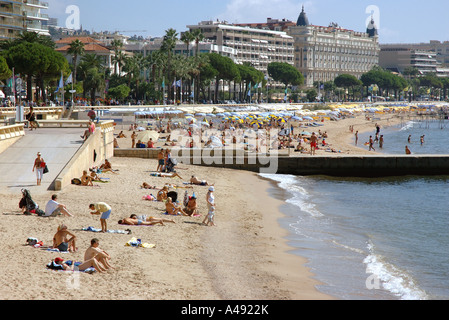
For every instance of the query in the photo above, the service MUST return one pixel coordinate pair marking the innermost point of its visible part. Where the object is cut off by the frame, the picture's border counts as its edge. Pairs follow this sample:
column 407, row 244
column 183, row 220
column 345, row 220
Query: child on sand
column 210, row 199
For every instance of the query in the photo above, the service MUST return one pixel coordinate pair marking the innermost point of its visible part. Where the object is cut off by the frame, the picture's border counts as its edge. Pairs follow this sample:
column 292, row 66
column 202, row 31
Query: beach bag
column 45, row 169
column 43, row 164
column 76, row 181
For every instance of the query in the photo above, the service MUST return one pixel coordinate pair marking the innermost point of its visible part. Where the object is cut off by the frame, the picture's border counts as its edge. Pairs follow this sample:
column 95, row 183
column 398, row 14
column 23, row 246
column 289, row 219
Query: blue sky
column 400, row 21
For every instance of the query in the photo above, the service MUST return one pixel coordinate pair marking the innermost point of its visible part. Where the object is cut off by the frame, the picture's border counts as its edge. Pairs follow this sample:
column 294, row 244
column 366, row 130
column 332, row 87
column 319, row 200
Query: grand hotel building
column 323, row 53
column 259, row 47
column 22, row 15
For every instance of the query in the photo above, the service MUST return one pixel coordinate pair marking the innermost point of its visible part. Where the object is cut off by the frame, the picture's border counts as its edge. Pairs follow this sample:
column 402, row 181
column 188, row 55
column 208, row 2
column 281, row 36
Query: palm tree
column 118, row 59
column 75, row 49
column 187, row 37
column 168, row 45
column 198, row 36
column 116, row 45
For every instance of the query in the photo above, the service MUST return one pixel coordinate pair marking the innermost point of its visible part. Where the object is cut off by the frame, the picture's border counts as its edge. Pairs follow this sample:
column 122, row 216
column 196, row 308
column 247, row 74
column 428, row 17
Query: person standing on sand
column 105, row 210
column 356, row 137
column 313, row 143
column 133, row 139
column 210, row 199
column 160, row 160
column 381, row 141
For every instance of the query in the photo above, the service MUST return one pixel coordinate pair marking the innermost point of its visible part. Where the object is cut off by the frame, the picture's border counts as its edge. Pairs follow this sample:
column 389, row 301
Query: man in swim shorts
column 313, row 143
column 103, row 209
column 61, row 239
column 143, row 220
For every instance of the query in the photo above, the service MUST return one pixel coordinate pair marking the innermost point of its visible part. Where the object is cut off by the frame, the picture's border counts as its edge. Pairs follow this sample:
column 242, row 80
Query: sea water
column 383, row 238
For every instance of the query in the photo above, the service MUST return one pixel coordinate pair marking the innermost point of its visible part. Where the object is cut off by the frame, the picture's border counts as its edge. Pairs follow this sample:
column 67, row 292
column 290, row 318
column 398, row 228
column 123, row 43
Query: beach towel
column 134, row 242
column 92, row 229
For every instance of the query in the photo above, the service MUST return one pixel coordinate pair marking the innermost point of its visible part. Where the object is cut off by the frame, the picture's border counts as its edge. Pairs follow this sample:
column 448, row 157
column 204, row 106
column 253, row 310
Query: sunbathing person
column 166, row 175
column 191, row 207
column 107, row 167
column 162, row 194
column 135, row 220
column 147, row 186
column 173, row 209
column 196, row 181
column 95, row 177
column 62, row 241
column 60, row 264
column 86, row 180
column 94, row 252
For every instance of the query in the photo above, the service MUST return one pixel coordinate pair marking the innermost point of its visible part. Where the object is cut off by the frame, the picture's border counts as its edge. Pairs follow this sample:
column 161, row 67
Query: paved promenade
column 57, row 145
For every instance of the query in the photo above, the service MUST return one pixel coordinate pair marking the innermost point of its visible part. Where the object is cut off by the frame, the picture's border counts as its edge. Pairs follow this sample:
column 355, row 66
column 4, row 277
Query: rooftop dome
column 372, row 28
column 303, row 20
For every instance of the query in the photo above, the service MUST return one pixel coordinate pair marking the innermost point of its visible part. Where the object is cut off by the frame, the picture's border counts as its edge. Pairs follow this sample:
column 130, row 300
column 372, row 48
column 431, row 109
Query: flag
column 260, row 85
column 60, row 85
column 192, row 95
column 179, row 83
column 69, row 79
column 174, row 83
column 163, row 83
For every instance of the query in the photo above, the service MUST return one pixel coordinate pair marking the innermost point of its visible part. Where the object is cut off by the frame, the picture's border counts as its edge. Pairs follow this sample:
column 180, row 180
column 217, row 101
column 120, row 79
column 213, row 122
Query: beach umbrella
column 296, row 118
column 201, row 114
column 188, row 115
column 308, row 118
column 145, row 136
column 204, row 123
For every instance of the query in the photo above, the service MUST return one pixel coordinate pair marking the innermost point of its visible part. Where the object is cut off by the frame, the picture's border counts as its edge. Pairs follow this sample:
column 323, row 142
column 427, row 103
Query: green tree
column 227, row 70
column 347, row 81
column 187, row 37
column 76, row 49
column 120, row 92
column 285, row 73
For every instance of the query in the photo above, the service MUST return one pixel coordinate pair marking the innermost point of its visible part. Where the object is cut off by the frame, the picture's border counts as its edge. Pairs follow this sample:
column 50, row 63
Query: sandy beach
column 244, row 257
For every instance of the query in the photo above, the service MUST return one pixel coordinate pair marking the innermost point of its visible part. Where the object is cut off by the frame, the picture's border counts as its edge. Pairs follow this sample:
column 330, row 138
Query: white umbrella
column 145, row 136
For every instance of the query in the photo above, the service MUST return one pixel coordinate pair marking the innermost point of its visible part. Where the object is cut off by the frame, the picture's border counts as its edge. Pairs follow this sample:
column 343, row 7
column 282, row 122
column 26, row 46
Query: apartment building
column 17, row 16
column 399, row 58
column 259, row 47
column 323, row 53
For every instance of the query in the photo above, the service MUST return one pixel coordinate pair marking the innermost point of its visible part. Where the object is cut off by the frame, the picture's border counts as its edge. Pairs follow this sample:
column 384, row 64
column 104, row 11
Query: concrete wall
column 9, row 135
column 333, row 165
column 93, row 152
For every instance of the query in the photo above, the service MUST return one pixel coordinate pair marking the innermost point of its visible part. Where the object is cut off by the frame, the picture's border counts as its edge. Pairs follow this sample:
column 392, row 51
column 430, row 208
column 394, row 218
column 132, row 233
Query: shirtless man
column 134, row 220
column 162, row 194
column 94, row 252
column 61, row 239
column 173, row 209
column 313, row 143
column 195, row 180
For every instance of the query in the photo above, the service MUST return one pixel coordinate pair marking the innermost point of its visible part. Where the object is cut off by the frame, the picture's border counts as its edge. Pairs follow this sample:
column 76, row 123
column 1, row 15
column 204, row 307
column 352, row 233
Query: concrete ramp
column 57, row 146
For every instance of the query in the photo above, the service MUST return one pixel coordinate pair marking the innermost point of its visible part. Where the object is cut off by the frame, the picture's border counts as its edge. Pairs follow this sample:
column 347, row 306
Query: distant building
column 271, row 24
column 17, row 16
column 91, row 45
column 258, row 47
column 398, row 59
column 323, row 53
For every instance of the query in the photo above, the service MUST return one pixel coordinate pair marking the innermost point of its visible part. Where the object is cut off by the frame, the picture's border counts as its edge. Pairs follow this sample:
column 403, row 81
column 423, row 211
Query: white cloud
column 252, row 11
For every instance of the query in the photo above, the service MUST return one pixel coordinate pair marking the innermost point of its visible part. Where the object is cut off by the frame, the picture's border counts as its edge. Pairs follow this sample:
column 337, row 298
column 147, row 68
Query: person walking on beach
column 371, row 143
column 103, row 209
column 133, row 139
column 39, row 165
column 356, row 137
column 160, row 160
column 210, row 199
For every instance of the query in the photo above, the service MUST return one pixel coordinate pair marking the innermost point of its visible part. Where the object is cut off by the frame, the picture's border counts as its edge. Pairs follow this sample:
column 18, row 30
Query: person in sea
column 64, row 240
column 143, row 220
column 407, row 150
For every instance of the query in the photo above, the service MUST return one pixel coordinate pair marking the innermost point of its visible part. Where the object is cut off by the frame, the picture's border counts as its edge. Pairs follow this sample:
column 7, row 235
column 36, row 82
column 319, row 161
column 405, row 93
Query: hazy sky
column 400, row 21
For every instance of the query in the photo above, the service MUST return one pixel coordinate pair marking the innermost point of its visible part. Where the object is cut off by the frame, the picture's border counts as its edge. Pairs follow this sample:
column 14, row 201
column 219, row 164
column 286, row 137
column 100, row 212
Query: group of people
column 94, row 256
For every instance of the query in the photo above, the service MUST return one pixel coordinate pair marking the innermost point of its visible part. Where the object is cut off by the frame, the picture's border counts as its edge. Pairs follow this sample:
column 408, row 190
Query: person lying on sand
column 143, row 220
column 147, row 186
column 196, row 181
column 166, row 175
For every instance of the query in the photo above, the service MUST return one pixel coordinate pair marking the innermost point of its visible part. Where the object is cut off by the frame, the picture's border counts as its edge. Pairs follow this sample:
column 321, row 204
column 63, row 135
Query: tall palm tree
column 187, row 37
column 168, row 45
column 117, row 45
column 75, row 49
column 198, row 36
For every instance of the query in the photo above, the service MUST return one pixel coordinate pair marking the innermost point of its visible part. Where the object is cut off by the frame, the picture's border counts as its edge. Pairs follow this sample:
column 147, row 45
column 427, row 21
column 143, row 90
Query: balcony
column 36, row 4
column 36, row 16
